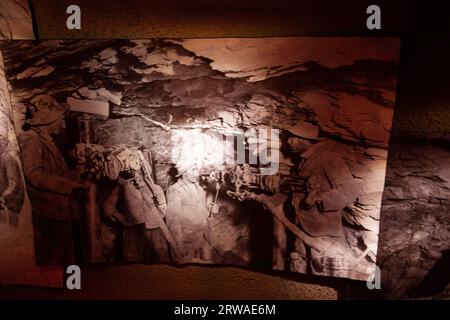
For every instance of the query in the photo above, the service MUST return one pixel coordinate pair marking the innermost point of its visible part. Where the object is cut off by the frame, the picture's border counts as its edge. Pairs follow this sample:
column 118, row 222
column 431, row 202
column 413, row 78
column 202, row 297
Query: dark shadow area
column 436, row 280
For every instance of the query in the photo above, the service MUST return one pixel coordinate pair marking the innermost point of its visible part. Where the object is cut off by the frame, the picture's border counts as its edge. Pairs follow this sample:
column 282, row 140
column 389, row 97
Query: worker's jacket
column 337, row 190
column 187, row 213
column 46, row 175
column 132, row 203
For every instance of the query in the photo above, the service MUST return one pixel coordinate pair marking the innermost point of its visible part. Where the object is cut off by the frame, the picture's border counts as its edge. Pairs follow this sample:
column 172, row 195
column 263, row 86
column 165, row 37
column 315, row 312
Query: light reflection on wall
column 211, row 148
column 201, row 148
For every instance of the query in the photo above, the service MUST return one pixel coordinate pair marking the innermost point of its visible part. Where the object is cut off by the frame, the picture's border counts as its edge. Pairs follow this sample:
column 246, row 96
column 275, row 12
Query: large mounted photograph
column 268, row 153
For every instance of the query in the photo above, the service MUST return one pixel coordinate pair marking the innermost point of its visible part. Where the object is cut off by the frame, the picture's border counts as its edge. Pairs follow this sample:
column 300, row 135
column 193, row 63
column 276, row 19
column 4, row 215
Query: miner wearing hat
column 330, row 189
column 49, row 185
column 139, row 208
column 188, row 212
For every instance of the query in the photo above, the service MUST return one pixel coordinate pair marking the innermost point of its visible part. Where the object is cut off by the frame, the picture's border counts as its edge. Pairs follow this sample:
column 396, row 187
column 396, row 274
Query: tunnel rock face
column 415, row 218
column 161, row 78
column 156, row 86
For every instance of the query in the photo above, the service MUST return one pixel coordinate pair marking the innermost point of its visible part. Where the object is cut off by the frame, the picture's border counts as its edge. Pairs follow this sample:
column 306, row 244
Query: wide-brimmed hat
column 306, row 130
column 44, row 109
column 186, row 164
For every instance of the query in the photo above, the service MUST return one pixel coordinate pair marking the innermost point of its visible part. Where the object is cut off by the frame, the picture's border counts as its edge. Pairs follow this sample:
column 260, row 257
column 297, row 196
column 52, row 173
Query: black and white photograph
column 267, row 153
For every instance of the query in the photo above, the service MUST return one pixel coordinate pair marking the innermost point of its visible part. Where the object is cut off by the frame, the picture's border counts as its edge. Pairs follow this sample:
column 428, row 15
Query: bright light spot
column 199, row 148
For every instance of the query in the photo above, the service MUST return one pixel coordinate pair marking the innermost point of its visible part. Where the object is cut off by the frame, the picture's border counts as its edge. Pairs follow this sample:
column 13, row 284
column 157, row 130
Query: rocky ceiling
column 169, row 83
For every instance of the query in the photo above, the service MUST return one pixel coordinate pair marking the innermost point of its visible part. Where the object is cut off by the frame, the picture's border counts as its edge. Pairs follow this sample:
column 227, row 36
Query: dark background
column 422, row 112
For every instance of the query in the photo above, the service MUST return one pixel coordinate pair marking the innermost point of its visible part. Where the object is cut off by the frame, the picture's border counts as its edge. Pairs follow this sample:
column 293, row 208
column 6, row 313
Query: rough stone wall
column 415, row 224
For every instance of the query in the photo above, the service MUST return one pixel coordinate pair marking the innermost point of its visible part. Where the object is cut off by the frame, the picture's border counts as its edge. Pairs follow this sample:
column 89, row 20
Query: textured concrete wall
column 206, row 18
